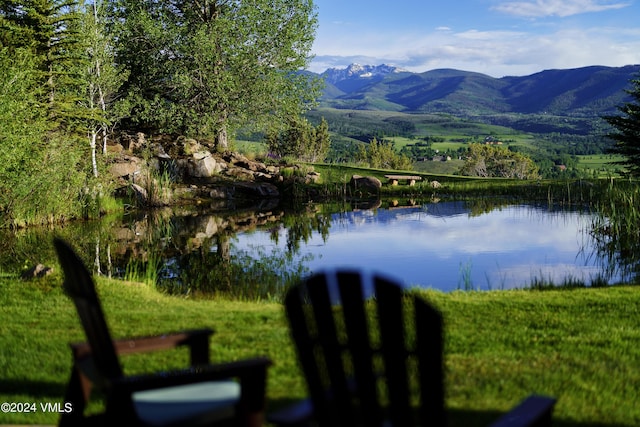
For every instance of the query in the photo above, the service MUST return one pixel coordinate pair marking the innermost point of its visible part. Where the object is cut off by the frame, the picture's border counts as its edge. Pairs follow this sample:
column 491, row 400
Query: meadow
column 600, row 165
column 581, row 153
column 581, row 346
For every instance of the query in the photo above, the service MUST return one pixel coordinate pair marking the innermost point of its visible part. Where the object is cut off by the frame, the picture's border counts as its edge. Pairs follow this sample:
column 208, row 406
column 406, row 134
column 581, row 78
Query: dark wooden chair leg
column 77, row 393
column 252, row 402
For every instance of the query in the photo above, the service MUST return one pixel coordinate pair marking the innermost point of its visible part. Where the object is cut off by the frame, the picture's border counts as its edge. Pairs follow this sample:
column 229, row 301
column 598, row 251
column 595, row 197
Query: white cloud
column 561, row 8
column 489, row 35
column 496, row 53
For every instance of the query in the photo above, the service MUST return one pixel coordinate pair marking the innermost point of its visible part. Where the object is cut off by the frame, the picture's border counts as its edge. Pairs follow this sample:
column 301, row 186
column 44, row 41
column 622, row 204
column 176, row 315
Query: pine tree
column 627, row 130
column 49, row 28
column 39, row 178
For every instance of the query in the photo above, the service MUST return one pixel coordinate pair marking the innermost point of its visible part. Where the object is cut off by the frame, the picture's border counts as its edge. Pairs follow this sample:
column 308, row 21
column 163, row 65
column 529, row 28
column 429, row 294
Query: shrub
column 382, row 155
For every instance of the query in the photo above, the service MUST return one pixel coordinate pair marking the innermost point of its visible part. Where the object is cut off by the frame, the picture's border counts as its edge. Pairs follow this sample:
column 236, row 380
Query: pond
column 257, row 253
column 447, row 246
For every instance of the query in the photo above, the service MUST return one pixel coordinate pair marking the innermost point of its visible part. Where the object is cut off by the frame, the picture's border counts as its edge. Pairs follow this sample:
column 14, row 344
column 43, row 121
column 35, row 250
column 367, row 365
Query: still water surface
column 256, row 253
column 445, row 246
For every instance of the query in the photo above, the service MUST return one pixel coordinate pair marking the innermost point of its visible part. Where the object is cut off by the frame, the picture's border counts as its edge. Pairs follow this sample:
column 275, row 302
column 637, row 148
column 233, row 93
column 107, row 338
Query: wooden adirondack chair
column 367, row 369
column 201, row 394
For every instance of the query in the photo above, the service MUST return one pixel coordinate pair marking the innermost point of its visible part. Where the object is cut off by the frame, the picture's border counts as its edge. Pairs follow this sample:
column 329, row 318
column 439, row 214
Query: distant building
column 441, row 158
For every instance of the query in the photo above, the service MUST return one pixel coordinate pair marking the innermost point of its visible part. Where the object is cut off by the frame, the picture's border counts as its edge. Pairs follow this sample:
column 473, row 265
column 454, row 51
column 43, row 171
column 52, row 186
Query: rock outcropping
column 165, row 170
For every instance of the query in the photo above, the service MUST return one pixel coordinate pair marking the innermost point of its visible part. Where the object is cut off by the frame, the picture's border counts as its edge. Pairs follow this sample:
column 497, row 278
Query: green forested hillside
column 582, row 92
column 554, row 116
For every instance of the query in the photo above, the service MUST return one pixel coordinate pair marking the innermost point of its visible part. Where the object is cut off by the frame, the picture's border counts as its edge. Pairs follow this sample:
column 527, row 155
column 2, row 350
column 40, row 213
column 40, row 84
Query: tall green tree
column 58, row 93
column 490, row 161
column 102, row 79
column 627, row 130
column 49, row 28
column 301, row 140
column 40, row 180
column 381, row 154
column 204, row 68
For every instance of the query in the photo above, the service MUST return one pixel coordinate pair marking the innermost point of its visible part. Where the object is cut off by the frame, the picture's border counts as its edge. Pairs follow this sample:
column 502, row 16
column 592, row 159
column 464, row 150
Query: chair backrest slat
column 429, row 349
column 359, row 345
column 79, row 285
column 302, row 305
column 335, row 335
column 330, row 348
column 394, row 349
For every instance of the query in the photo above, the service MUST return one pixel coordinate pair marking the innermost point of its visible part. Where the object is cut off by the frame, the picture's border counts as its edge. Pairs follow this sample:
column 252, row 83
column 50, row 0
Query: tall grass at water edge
column 553, row 192
column 143, row 271
column 538, row 282
column 334, row 182
column 619, row 209
column 616, row 228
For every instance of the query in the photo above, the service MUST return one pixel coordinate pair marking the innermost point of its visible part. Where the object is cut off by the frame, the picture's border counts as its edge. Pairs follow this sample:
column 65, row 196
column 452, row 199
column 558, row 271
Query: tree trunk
column 104, row 140
column 92, row 143
column 224, row 247
column 222, row 139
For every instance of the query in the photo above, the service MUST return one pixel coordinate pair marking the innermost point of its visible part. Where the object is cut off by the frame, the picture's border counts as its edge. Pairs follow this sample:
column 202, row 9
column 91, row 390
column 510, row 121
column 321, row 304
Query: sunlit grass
column 600, row 165
column 581, row 345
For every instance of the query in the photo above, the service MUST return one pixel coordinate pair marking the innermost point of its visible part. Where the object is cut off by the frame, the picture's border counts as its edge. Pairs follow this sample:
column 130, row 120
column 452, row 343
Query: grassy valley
column 571, row 150
column 554, row 116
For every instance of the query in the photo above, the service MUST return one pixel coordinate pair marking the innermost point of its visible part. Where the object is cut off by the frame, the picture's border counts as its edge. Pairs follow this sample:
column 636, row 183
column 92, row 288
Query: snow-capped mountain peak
column 358, row 71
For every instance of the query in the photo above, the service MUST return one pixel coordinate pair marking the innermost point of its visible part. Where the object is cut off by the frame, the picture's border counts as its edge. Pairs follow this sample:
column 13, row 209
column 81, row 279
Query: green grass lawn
column 582, row 346
column 600, row 165
column 439, row 168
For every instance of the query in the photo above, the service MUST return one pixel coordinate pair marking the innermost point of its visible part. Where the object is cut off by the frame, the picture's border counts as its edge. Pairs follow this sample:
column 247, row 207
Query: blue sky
column 495, row 37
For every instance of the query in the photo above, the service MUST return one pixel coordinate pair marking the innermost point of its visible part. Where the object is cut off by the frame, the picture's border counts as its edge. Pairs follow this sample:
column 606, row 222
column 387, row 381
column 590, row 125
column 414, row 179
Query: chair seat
column 210, row 401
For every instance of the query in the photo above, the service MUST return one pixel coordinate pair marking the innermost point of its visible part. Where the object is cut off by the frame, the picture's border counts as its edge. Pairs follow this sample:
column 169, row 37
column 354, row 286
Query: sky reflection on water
column 445, row 247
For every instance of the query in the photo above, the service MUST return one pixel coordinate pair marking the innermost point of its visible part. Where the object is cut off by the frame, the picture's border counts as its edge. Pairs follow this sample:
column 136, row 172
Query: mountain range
column 581, row 92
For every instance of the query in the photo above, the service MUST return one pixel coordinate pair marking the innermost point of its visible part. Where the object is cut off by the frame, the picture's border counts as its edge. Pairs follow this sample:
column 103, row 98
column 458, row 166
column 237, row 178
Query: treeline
column 73, row 71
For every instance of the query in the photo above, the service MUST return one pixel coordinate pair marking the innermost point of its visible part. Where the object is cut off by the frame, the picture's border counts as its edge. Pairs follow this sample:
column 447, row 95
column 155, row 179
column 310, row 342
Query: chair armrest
column 534, row 411
column 243, row 369
column 297, row 414
column 197, row 340
column 252, row 374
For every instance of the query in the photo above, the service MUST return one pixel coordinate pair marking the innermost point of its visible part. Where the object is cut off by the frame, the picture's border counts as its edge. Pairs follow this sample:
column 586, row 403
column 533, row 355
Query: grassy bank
column 334, row 181
column 582, row 346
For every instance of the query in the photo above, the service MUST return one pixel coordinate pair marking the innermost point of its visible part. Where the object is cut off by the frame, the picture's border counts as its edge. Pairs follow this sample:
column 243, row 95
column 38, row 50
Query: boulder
column 134, row 143
column 259, row 189
column 38, row 270
column 203, row 165
column 140, row 194
column 240, row 173
column 365, row 184
column 312, row 177
column 158, row 151
column 240, row 161
column 191, row 146
column 126, row 167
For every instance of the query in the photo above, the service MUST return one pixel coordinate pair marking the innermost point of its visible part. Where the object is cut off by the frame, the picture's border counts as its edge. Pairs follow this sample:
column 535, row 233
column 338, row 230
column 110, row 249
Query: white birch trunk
column 94, row 161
